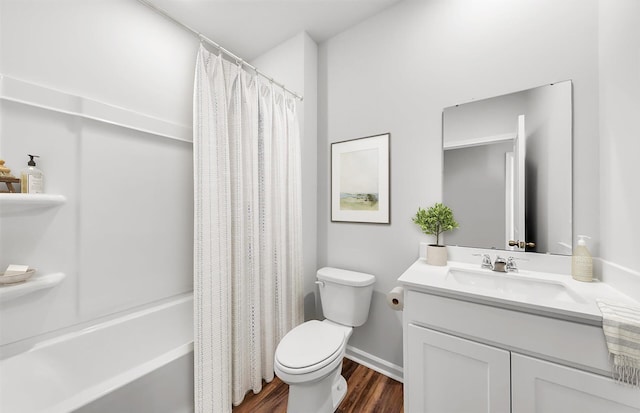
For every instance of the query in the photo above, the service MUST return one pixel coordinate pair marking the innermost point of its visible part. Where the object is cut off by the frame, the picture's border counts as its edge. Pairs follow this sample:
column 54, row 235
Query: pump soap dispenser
column 31, row 178
column 581, row 262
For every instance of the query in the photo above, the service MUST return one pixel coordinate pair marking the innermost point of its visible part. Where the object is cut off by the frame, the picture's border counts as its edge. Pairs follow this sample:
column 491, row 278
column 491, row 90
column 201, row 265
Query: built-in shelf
column 35, row 283
column 16, row 203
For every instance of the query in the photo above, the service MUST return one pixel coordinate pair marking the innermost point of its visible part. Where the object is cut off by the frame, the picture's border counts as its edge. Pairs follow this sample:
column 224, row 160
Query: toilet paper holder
column 395, row 298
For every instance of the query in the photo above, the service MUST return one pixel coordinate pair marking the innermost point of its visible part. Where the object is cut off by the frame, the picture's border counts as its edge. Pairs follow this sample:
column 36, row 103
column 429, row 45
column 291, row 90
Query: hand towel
column 621, row 325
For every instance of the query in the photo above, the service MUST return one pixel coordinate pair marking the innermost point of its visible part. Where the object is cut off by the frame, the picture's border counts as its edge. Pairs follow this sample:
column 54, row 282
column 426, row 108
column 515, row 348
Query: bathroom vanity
column 476, row 340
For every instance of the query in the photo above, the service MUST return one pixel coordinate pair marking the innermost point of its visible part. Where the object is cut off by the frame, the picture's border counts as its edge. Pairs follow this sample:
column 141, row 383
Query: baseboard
column 375, row 363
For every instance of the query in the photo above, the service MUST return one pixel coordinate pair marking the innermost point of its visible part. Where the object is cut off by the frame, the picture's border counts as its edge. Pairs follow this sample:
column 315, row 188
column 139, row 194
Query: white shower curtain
column 247, row 229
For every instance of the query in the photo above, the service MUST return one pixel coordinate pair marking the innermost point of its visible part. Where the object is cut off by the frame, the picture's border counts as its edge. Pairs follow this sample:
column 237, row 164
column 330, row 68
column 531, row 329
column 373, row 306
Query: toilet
column 309, row 357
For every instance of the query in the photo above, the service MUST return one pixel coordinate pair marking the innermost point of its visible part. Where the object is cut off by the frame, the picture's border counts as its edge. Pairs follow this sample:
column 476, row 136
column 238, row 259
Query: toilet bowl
column 309, row 357
column 309, row 360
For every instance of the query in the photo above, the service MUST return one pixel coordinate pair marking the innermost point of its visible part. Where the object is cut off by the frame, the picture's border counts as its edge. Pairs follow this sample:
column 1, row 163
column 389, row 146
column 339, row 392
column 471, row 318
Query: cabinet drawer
column 574, row 344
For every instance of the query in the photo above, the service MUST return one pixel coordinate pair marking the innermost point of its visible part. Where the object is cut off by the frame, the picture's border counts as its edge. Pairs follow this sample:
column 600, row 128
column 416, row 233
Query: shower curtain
column 247, row 229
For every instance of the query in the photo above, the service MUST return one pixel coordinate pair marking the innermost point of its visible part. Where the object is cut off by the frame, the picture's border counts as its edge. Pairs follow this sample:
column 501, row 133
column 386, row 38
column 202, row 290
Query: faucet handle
column 486, row 261
column 511, row 264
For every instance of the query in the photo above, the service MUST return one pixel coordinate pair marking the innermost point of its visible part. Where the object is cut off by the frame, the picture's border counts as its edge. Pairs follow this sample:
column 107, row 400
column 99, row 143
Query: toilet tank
column 345, row 295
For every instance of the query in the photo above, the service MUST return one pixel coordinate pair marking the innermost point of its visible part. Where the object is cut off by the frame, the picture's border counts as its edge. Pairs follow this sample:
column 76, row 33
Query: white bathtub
column 92, row 367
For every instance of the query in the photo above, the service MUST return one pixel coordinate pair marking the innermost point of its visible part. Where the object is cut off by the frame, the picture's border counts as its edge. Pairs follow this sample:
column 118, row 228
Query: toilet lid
column 309, row 344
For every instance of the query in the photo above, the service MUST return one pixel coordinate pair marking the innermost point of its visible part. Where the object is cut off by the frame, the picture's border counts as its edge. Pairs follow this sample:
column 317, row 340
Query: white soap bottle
column 581, row 262
column 31, row 178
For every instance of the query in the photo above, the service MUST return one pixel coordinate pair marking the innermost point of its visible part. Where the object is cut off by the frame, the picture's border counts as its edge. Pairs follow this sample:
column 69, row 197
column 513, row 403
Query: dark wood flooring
column 367, row 391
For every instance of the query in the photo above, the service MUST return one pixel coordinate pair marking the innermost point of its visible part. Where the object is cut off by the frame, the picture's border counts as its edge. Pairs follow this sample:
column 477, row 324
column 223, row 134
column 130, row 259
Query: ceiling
column 249, row 28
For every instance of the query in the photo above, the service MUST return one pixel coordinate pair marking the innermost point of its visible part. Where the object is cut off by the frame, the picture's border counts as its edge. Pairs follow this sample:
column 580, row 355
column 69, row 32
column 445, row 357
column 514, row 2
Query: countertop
column 558, row 295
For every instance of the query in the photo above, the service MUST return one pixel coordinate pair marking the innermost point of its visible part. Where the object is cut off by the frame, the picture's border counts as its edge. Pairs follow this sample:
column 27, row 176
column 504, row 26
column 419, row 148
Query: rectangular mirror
column 507, row 170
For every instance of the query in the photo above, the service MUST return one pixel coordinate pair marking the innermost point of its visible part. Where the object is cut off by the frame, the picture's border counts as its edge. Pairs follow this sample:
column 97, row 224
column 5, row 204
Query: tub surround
column 80, row 367
column 81, row 128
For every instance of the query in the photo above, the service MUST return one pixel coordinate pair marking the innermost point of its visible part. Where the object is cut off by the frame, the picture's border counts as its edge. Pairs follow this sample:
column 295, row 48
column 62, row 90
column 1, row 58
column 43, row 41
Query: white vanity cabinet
column 542, row 386
column 445, row 373
column 463, row 356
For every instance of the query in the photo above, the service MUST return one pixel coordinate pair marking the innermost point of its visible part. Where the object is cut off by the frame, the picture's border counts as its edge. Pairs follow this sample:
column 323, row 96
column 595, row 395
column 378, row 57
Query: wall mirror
column 507, row 170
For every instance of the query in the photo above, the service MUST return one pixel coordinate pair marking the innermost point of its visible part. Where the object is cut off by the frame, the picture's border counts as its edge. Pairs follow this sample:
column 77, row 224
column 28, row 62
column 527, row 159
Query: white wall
column 619, row 26
column 124, row 237
column 295, row 63
column 396, row 72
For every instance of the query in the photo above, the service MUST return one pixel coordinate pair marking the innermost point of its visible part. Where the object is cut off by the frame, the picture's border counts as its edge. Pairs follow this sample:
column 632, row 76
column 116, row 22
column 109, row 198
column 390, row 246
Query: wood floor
column 367, row 391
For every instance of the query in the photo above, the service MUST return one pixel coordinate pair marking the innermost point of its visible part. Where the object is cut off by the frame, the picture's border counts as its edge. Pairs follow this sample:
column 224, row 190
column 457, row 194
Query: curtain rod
column 204, row 38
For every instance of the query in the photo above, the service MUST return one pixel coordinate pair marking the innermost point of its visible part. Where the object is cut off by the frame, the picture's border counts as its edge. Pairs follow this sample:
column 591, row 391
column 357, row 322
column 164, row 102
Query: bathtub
column 130, row 363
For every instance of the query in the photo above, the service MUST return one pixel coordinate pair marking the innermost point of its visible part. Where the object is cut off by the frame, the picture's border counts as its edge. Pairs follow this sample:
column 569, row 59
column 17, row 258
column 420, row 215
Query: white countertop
column 559, row 295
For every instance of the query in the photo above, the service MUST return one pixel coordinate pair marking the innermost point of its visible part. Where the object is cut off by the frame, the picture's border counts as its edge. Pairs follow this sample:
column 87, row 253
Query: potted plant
column 435, row 221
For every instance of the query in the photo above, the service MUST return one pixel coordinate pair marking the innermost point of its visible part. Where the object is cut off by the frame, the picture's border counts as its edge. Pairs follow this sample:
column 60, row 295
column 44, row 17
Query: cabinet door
column 540, row 386
column 448, row 374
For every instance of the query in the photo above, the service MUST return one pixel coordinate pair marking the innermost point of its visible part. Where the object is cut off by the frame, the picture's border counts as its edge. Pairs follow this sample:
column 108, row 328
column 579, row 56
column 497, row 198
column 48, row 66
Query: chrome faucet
column 500, row 264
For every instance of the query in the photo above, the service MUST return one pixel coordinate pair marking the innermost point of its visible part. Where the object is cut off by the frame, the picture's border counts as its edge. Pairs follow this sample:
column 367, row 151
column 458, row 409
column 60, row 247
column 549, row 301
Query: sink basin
column 513, row 285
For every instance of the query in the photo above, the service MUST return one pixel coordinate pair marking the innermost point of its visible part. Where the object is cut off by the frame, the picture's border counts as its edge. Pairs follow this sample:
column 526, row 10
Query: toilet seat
column 309, row 347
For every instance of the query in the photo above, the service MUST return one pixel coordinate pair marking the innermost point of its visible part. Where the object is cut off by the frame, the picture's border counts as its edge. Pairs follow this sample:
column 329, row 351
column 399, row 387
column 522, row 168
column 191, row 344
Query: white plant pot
column 436, row 255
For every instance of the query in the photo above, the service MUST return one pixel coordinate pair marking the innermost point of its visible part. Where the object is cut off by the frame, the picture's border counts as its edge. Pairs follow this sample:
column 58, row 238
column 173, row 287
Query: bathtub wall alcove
column 138, row 361
column 107, row 107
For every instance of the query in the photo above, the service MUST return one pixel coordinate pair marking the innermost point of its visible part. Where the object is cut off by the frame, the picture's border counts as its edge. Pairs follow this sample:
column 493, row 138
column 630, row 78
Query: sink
column 513, row 285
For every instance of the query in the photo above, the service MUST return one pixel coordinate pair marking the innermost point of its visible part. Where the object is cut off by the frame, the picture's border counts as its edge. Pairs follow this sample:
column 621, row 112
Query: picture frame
column 360, row 180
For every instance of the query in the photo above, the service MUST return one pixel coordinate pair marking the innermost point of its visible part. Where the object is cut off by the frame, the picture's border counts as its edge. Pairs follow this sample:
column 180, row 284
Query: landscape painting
column 360, row 180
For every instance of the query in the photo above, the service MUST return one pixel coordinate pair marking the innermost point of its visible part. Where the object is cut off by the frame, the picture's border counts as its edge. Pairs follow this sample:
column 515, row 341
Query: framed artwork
column 360, row 180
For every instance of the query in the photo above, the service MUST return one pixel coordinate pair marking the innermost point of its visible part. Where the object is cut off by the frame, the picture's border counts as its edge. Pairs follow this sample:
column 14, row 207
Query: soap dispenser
column 31, row 178
column 581, row 262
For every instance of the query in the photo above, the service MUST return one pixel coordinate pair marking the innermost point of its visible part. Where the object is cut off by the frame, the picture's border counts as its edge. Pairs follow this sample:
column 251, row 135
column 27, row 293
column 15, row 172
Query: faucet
column 500, row 264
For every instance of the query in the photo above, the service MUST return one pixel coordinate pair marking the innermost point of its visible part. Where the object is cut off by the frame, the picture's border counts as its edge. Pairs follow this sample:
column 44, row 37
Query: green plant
column 435, row 220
